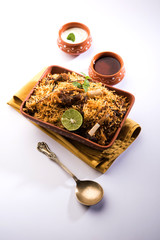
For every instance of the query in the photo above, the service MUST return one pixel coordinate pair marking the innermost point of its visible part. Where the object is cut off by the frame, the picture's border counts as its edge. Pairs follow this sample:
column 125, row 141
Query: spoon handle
column 43, row 148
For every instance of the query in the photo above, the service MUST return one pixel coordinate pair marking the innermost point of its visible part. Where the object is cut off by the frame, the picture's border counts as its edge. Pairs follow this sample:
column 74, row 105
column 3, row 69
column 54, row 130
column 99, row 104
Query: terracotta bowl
column 73, row 135
column 74, row 48
column 107, row 79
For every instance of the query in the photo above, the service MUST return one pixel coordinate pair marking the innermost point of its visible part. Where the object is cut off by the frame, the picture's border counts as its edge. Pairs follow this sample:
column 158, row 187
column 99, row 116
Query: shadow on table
column 76, row 210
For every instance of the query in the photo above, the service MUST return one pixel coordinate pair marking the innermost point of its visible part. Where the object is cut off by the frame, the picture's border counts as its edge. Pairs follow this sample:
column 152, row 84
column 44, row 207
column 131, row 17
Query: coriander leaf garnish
column 85, row 88
column 71, row 37
column 84, row 74
column 86, row 77
column 86, row 82
column 86, row 85
column 77, row 84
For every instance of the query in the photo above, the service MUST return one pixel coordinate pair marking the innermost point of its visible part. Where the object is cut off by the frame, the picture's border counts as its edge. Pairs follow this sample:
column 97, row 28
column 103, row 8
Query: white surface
column 36, row 197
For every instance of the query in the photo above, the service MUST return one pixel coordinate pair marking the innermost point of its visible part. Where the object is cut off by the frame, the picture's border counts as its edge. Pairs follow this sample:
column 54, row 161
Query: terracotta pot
column 74, row 48
column 107, row 79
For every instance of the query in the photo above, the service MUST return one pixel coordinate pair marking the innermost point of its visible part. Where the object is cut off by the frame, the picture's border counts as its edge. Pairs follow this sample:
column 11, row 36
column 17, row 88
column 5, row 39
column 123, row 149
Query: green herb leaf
column 77, row 84
column 85, row 88
column 83, row 74
column 86, row 83
column 86, row 77
column 71, row 37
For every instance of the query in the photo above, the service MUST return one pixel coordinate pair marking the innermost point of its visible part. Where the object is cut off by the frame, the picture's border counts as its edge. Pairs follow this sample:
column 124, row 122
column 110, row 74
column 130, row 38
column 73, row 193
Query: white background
column 37, row 198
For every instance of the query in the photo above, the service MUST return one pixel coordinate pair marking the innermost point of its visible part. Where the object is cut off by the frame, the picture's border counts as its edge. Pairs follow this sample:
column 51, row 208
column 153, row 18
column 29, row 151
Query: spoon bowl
column 87, row 192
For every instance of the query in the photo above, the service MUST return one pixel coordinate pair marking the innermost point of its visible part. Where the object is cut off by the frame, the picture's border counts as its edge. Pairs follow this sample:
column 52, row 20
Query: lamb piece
column 65, row 76
column 66, row 99
column 61, row 77
column 98, row 124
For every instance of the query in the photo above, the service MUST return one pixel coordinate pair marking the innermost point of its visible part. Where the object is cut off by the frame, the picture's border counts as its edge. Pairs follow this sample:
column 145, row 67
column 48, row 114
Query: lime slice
column 72, row 119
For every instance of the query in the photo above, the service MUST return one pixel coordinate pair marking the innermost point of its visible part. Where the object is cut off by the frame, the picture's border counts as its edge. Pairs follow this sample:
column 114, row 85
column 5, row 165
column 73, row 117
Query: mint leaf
column 86, row 83
column 77, row 84
column 85, row 88
column 86, row 77
column 84, row 74
column 71, row 37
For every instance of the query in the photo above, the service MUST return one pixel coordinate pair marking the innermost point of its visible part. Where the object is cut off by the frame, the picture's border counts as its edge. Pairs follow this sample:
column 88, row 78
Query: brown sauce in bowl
column 107, row 65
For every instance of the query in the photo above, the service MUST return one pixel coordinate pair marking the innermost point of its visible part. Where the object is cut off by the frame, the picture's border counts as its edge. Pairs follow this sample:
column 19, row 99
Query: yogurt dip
column 80, row 35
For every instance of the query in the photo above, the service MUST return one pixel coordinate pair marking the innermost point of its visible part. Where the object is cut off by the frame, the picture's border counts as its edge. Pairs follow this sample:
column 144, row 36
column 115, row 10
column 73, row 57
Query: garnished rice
column 56, row 93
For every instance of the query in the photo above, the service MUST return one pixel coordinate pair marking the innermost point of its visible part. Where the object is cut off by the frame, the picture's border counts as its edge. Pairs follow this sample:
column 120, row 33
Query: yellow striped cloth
column 100, row 160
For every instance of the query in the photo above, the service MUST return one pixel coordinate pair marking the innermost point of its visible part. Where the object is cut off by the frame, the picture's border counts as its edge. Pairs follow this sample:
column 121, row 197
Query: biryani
column 57, row 93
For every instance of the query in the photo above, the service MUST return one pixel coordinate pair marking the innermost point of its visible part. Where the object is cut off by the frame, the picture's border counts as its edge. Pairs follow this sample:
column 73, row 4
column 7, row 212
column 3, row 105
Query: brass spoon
column 87, row 192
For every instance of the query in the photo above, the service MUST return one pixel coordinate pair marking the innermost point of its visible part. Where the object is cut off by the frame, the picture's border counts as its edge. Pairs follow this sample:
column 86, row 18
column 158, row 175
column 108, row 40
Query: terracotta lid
column 74, row 48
